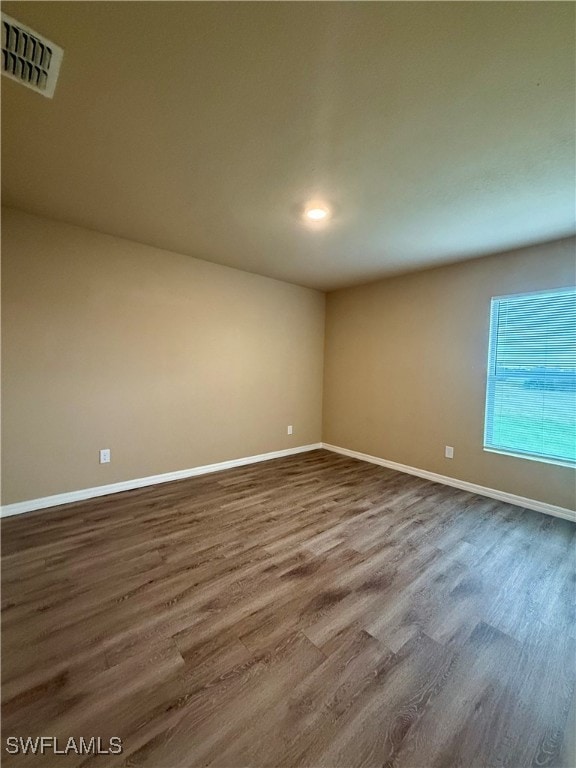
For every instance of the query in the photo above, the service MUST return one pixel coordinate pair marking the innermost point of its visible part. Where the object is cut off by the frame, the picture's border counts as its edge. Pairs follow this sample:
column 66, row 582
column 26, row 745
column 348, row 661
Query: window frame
column 491, row 378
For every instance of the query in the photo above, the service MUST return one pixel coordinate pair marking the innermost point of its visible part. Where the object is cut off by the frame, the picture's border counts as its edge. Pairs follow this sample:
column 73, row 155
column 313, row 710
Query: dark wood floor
column 307, row 611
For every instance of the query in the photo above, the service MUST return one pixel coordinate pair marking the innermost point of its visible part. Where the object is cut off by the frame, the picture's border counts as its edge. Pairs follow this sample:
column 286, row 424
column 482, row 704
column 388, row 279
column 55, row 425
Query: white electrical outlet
column 105, row 456
column 449, row 452
column 290, row 429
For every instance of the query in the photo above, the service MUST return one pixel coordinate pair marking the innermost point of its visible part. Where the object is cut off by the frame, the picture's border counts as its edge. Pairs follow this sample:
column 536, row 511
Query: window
column 531, row 387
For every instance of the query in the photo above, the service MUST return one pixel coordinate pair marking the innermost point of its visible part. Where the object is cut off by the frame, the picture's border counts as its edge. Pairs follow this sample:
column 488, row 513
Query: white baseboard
column 509, row 498
column 141, row 482
column 127, row 485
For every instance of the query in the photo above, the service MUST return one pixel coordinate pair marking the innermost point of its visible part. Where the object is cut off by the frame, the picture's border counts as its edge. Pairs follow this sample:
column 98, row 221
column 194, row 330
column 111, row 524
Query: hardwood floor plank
column 308, row 611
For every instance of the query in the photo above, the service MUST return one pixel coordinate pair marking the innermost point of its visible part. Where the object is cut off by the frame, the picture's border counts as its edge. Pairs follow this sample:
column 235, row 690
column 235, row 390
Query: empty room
column 288, row 384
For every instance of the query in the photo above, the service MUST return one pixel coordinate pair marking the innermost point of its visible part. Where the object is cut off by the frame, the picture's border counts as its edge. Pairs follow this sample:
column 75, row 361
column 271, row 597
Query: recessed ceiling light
column 316, row 212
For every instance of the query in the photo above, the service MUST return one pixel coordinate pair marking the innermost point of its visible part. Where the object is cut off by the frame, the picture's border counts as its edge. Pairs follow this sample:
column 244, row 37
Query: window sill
column 541, row 459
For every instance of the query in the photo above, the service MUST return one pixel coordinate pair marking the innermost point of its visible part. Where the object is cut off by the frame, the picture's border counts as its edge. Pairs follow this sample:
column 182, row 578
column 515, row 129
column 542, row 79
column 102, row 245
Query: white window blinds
column 531, row 387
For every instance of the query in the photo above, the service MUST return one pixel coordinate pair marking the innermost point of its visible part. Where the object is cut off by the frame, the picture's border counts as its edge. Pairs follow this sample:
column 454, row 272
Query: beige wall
column 174, row 362
column 168, row 361
column 405, row 369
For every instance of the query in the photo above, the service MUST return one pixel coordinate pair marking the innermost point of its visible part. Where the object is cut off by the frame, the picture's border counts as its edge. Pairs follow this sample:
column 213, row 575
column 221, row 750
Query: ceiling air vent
column 29, row 58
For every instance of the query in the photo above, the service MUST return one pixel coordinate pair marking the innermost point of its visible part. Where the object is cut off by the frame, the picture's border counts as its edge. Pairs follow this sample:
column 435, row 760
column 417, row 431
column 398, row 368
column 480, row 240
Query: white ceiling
column 437, row 131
